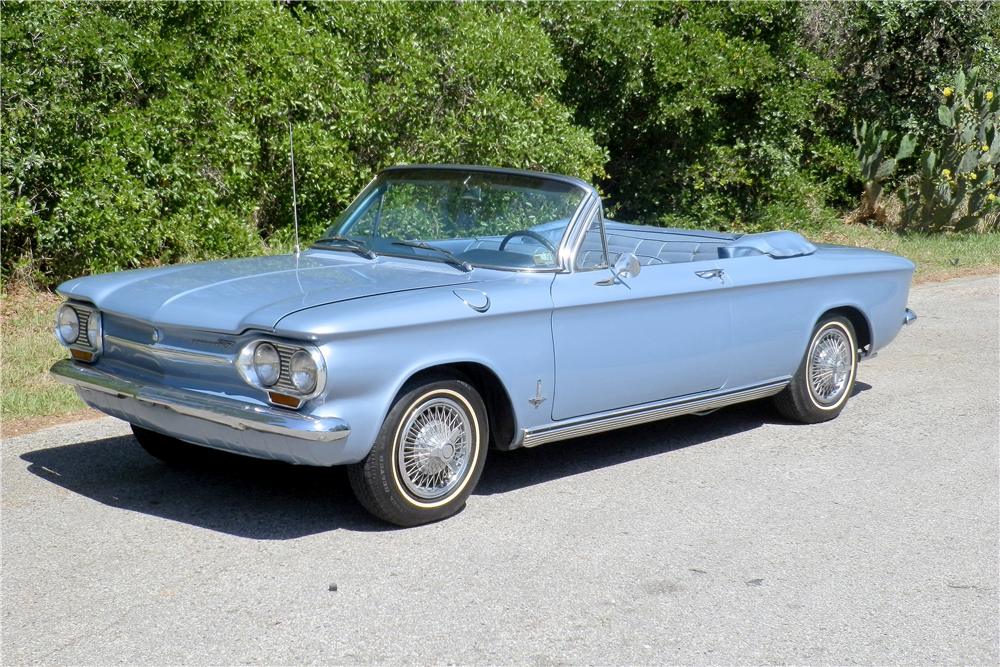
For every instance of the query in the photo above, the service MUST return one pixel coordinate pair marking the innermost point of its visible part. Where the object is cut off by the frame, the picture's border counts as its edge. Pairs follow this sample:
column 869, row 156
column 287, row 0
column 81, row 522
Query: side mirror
column 625, row 265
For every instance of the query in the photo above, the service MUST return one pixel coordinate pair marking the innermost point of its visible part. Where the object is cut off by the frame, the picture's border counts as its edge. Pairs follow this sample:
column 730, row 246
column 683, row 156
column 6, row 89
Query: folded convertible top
column 780, row 245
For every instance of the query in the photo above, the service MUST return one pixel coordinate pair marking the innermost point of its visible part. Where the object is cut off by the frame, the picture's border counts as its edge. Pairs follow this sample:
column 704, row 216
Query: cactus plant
column 873, row 142
column 958, row 183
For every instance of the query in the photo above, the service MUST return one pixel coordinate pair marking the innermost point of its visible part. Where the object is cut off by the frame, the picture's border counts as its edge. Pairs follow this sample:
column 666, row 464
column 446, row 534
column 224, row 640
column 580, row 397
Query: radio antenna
column 295, row 204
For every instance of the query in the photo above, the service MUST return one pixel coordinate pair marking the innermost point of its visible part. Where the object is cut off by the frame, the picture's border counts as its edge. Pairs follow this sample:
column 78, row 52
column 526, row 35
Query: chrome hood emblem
column 224, row 344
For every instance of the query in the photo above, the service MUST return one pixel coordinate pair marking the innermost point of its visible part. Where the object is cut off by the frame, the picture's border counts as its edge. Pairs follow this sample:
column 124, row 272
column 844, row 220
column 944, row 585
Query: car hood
column 236, row 294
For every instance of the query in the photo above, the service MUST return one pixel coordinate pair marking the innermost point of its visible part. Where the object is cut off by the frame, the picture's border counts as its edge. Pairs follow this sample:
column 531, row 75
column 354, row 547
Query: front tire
column 824, row 381
column 428, row 456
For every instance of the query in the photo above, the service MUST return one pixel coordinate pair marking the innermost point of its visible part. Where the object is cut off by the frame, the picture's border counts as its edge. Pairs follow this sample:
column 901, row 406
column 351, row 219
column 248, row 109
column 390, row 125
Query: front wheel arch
column 499, row 407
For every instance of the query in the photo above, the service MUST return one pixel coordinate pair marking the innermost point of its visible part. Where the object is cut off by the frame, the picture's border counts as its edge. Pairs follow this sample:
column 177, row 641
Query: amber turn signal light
column 80, row 355
column 282, row 399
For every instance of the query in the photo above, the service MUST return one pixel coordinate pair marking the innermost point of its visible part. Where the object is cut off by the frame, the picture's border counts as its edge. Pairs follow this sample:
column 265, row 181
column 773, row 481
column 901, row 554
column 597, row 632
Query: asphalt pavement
column 735, row 538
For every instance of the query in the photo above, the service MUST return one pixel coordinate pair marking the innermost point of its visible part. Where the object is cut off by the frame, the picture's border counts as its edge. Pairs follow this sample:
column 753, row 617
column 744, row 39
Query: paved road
column 731, row 539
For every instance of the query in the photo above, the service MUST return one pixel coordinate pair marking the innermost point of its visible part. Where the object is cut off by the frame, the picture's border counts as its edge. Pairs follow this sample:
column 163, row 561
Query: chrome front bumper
column 216, row 409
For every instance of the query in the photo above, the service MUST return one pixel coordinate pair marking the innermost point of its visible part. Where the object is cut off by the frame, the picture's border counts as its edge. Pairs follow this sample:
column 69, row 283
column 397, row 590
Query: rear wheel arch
column 862, row 328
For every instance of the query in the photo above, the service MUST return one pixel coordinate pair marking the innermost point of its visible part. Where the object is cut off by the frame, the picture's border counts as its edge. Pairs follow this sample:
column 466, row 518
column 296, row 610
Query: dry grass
column 27, row 349
column 939, row 257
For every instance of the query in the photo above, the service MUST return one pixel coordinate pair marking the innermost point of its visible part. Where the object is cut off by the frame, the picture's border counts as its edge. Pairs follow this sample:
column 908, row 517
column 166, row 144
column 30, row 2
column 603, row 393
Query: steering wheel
column 527, row 232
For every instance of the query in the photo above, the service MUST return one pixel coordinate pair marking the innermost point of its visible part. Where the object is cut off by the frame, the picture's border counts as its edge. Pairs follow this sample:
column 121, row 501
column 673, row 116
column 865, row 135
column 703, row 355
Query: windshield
column 462, row 217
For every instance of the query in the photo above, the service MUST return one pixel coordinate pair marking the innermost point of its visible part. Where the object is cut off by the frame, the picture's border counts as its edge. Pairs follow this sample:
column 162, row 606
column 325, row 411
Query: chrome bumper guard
column 909, row 316
column 236, row 414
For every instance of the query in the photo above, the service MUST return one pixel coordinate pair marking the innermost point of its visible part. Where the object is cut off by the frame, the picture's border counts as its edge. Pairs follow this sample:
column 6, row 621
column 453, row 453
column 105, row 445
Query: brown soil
column 950, row 274
column 18, row 296
column 16, row 427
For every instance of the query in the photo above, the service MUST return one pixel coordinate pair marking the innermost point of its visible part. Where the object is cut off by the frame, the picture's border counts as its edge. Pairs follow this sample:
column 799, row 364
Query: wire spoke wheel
column 434, row 452
column 821, row 386
column 428, row 456
column 830, row 366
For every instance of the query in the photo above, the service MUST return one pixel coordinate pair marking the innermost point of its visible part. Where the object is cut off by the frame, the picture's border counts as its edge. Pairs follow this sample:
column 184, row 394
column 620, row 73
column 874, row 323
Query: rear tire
column 428, row 456
column 824, row 381
column 169, row 450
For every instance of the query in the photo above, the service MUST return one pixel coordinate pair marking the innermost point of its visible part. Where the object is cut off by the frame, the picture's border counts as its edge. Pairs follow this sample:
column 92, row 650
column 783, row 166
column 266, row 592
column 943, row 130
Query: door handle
column 712, row 273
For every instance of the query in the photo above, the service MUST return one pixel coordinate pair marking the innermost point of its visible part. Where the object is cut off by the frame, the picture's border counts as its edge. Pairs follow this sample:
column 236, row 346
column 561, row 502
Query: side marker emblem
column 537, row 400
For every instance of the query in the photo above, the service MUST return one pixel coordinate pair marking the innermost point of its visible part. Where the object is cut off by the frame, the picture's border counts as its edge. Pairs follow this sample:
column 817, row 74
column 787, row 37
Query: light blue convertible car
column 454, row 309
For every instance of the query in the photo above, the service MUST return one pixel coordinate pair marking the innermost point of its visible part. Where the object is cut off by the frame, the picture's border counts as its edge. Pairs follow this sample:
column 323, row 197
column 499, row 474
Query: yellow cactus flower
column 985, row 148
column 972, row 177
column 946, row 173
column 991, row 198
column 947, row 92
column 989, row 95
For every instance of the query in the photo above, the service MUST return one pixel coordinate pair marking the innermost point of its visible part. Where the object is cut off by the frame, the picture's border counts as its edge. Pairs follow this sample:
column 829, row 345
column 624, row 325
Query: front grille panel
column 284, row 382
column 82, row 314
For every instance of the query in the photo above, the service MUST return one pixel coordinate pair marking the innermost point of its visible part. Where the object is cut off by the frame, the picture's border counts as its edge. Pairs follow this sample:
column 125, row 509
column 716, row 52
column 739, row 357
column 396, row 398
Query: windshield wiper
column 355, row 245
column 449, row 255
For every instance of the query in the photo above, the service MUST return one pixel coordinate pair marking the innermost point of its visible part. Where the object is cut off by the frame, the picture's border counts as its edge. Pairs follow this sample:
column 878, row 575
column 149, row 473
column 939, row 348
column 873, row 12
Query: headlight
column 290, row 372
column 303, row 371
column 267, row 364
column 67, row 324
column 94, row 330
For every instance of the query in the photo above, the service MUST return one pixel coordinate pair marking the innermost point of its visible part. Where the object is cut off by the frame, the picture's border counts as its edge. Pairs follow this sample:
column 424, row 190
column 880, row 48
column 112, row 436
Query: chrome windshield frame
column 571, row 234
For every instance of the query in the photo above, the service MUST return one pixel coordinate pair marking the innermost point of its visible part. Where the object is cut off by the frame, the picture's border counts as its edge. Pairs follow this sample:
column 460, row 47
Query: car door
column 667, row 332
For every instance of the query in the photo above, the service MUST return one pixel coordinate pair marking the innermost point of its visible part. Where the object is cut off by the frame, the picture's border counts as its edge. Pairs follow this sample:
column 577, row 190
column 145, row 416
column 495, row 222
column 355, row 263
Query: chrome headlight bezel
column 283, row 385
column 64, row 312
column 90, row 330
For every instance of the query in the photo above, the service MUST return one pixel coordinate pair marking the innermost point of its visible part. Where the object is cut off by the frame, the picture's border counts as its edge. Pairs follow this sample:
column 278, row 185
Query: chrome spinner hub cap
column 434, row 451
column 830, row 366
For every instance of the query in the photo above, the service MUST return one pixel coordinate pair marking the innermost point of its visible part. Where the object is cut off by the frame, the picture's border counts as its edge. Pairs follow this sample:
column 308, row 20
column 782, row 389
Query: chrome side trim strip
column 646, row 413
column 172, row 353
column 229, row 412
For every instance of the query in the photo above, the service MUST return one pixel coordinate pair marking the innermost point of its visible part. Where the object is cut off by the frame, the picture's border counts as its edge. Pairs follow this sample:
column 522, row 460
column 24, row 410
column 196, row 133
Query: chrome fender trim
column 234, row 413
column 608, row 421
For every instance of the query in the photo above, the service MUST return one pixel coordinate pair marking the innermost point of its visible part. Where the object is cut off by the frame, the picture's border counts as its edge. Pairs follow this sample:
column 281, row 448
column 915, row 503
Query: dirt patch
column 16, row 427
column 17, row 298
column 950, row 274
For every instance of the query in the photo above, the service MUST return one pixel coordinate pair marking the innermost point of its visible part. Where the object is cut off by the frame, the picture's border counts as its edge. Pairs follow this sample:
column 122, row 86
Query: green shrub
column 143, row 133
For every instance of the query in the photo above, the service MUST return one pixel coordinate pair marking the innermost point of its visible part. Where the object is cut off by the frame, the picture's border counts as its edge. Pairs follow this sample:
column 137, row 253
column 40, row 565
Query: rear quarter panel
column 777, row 302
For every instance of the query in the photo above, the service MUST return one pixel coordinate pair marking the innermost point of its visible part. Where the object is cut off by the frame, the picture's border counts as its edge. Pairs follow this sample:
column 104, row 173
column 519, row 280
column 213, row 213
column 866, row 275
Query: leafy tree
column 708, row 110
column 140, row 133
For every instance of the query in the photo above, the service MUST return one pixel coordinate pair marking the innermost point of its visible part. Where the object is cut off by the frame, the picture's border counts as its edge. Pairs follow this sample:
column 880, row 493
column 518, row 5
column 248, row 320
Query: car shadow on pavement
column 227, row 493
column 509, row 471
column 859, row 387
column 272, row 500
